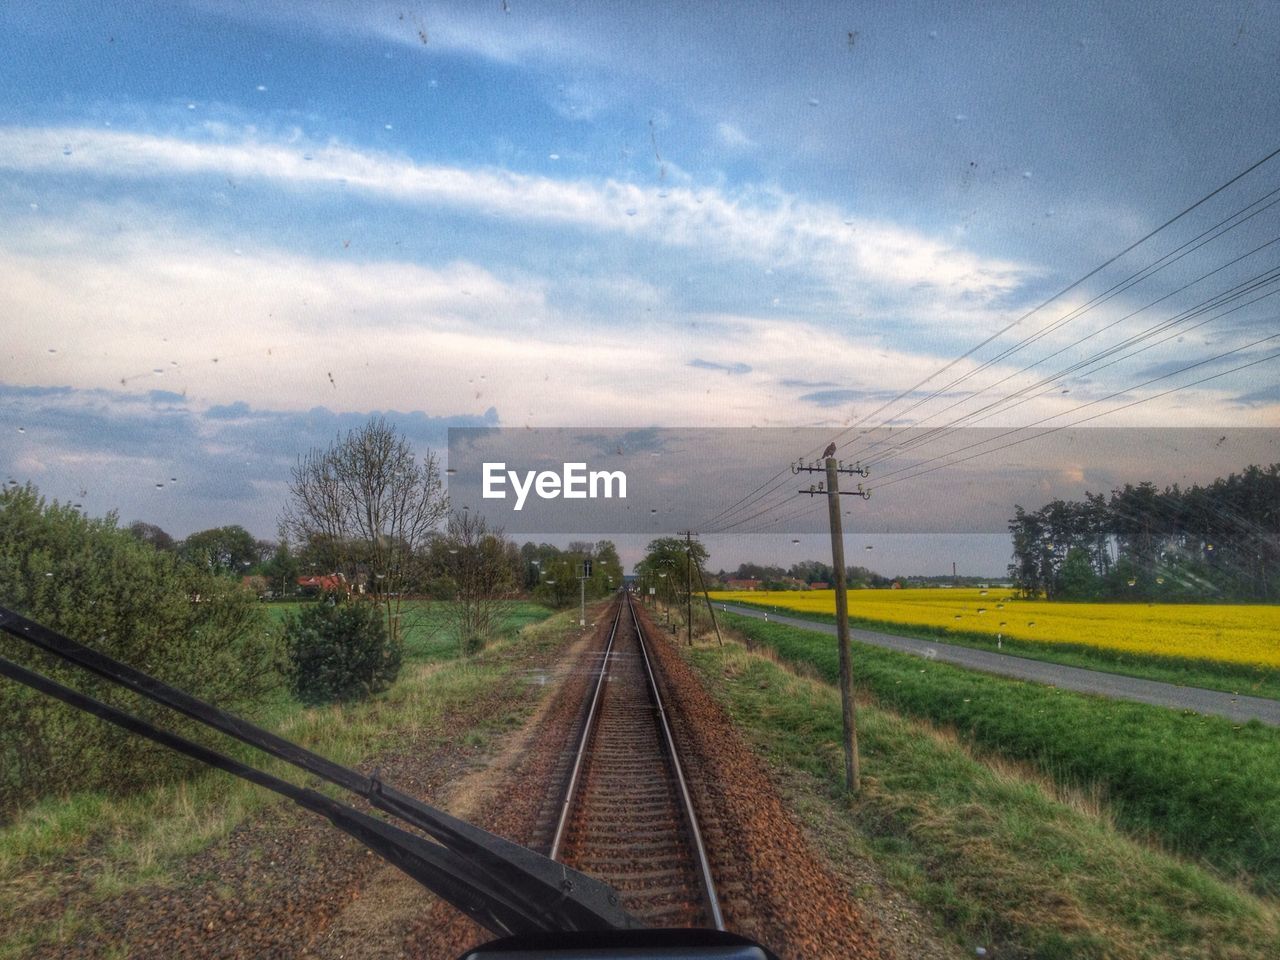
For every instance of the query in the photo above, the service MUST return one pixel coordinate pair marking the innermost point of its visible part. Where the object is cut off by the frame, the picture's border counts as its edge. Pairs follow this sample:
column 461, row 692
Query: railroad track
column 626, row 816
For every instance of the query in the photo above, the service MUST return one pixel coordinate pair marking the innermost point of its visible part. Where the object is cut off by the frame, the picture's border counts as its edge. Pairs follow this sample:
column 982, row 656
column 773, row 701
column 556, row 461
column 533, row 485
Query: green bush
column 339, row 650
column 98, row 584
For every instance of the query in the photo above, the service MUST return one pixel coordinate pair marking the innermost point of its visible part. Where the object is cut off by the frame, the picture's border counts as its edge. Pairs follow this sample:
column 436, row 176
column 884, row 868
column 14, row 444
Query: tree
column 96, row 583
column 340, row 650
column 1077, row 579
column 666, row 567
column 229, row 551
column 477, row 563
column 369, row 508
column 281, row 570
column 150, row 533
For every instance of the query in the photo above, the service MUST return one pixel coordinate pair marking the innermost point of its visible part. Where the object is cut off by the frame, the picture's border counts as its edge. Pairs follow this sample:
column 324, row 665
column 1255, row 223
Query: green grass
column 1202, row 786
column 1255, row 681
column 145, row 837
column 429, row 637
column 999, row 859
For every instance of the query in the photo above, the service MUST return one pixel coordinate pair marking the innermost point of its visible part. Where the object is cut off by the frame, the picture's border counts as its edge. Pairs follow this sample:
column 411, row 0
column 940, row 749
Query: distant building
column 326, row 583
column 819, row 585
column 742, row 584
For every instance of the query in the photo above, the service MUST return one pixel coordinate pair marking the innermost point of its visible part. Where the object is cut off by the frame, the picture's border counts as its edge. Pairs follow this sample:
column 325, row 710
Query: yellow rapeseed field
column 1237, row 634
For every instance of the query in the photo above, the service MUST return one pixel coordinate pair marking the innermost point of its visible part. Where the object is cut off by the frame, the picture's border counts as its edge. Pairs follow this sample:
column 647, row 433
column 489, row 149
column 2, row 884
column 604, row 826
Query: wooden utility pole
column 852, row 773
column 688, row 597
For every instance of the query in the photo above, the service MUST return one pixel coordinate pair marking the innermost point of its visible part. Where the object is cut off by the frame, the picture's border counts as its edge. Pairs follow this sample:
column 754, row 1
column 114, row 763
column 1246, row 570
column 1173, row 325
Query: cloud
column 731, row 137
column 764, row 225
column 730, row 368
column 175, row 461
column 468, row 29
column 806, row 384
column 834, row 398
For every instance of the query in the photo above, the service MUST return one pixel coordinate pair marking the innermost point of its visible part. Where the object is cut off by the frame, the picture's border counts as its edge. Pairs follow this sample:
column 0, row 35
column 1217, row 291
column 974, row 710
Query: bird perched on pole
column 830, row 451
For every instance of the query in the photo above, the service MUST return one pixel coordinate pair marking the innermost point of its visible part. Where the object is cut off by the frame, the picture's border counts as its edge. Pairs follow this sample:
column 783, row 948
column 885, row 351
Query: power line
column 1125, row 406
column 1129, row 282
column 1071, row 286
column 1004, row 404
column 723, row 521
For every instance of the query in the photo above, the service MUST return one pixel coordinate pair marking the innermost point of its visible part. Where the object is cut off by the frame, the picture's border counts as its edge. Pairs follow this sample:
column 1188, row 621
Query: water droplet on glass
column 238, row 253
column 22, row 429
column 386, row 126
column 53, row 350
column 158, row 371
column 960, row 118
column 34, row 206
column 813, row 101
column 306, row 156
column 553, row 156
column 933, row 34
column 173, row 479
column 159, row 486
column 662, row 194
column 191, row 106
column 631, row 211
column 261, row 88
column 1026, row 174
column 66, row 151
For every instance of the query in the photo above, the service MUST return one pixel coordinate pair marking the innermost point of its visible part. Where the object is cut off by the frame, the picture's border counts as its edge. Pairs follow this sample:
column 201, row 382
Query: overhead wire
column 1093, row 363
column 1164, row 393
column 723, row 520
column 1121, row 286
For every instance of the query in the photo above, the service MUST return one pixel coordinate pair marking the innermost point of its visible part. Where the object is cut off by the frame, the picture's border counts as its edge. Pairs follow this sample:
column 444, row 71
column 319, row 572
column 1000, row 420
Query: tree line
column 367, row 513
column 808, row 572
column 1219, row 541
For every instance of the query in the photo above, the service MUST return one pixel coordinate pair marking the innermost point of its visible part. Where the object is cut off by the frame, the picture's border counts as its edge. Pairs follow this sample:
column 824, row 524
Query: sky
column 233, row 230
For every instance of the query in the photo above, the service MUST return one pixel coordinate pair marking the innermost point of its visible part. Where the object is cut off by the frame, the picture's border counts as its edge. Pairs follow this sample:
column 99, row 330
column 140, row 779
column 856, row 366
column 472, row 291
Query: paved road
column 1112, row 685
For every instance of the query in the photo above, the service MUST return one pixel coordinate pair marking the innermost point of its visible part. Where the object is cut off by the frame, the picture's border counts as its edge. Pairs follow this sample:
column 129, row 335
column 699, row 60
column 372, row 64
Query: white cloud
column 766, row 226
column 169, row 309
column 731, row 137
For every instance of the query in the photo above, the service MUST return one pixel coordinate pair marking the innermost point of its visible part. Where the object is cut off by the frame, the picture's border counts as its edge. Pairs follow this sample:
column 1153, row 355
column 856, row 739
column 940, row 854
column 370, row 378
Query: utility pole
column 688, row 597
column 833, row 468
column 582, row 592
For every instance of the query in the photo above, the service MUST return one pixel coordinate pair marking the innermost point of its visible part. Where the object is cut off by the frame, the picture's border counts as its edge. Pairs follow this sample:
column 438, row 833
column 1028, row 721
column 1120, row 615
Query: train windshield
column 800, row 471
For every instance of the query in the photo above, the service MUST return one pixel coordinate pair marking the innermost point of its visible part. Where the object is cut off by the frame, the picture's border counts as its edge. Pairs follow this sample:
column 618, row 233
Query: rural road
column 1213, row 702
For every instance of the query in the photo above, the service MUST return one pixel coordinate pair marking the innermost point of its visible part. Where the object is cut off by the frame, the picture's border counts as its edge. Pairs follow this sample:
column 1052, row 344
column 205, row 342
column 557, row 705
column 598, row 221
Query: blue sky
column 231, row 229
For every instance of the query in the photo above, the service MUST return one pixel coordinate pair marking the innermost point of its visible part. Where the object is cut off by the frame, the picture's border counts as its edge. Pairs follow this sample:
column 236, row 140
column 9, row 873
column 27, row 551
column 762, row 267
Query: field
column 1232, row 634
column 1206, row 788
column 1004, row 858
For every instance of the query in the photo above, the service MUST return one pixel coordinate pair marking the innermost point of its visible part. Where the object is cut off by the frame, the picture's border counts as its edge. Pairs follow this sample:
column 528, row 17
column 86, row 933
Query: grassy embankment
column 995, row 803
column 1231, row 676
column 115, row 843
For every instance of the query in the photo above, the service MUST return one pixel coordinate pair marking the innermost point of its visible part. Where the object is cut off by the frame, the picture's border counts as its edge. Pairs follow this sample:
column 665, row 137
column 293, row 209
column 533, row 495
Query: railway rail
column 627, row 817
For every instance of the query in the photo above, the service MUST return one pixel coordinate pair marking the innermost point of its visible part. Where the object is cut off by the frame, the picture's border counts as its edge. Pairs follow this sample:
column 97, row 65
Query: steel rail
column 571, row 791
column 691, row 818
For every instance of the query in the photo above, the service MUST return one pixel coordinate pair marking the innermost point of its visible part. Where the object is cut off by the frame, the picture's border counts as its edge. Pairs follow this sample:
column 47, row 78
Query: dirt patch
column 374, row 924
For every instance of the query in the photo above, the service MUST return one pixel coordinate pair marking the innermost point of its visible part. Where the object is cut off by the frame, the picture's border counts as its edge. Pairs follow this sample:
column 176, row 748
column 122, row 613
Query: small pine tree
column 339, row 649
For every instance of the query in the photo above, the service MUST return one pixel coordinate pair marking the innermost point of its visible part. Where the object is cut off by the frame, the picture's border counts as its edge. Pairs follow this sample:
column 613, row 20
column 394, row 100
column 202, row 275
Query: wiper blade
column 503, row 886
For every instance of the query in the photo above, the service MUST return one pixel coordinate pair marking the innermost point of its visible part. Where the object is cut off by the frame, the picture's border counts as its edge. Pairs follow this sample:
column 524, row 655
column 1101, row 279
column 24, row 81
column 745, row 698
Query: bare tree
column 368, row 508
column 479, row 565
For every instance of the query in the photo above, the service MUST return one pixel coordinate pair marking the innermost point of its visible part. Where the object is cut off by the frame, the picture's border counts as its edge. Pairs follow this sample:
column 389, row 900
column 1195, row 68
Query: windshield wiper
column 507, row 888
